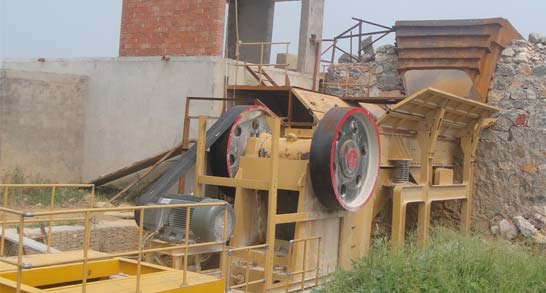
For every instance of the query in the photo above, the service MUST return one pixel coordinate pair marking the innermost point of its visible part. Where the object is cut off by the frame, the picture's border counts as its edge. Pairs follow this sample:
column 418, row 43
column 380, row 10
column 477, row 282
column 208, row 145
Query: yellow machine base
column 106, row 275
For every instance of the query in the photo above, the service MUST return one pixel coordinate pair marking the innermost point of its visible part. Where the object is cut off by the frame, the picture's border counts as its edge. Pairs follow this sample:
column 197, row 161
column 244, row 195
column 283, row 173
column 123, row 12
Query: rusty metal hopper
column 458, row 56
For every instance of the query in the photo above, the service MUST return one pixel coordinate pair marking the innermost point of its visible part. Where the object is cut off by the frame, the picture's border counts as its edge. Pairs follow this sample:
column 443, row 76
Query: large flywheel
column 344, row 158
column 227, row 151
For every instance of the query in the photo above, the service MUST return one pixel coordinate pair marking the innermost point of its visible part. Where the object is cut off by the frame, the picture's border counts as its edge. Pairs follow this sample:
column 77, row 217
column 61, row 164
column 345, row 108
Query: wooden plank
column 135, row 167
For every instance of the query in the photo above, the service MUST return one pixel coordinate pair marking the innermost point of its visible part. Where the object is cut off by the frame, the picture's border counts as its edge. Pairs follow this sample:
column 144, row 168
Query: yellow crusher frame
column 307, row 174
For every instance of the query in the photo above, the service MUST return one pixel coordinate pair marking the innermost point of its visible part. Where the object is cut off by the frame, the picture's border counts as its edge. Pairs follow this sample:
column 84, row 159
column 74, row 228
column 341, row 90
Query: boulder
column 537, row 38
column 507, row 229
column 525, row 227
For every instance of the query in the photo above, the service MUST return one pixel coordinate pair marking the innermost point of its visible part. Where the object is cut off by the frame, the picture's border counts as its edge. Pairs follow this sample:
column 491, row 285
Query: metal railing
column 247, row 281
column 54, row 188
column 304, row 270
column 189, row 117
column 261, row 76
column 89, row 213
column 350, row 35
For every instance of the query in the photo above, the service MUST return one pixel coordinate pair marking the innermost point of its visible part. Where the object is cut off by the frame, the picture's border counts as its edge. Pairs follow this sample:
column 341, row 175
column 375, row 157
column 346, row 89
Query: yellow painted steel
column 59, row 274
column 153, row 278
column 425, row 129
column 428, row 114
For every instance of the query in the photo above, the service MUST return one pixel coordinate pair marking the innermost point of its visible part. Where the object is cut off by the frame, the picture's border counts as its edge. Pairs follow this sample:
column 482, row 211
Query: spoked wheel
column 344, row 158
column 227, row 151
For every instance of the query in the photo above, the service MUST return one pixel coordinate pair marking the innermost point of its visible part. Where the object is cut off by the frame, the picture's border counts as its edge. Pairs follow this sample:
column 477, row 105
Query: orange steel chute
column 472, row 46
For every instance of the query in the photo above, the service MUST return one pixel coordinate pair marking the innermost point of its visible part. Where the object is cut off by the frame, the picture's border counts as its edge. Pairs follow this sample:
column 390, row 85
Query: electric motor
column 206, row 222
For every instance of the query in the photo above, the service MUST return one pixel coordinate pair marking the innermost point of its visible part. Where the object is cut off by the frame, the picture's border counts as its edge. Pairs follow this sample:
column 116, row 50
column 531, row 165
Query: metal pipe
column 225, row 240
column 265, row 43
column 231, row 250
column 360, row 40
column 247, row 270
column 45, row 185
column 20, row 253
column 186, row 128
column 360, row 35
column 139, row 259
column 265, row 64
column 51, row 207
column 4, row 219
column 111, row 209
column 372, row 23
column 86, row 242
column 44, row 220
column 303, row 265
column 317, row 276
column 187, row 240
column 120, row 254
column 290, row 264
column 247, row 284
column 346, row 31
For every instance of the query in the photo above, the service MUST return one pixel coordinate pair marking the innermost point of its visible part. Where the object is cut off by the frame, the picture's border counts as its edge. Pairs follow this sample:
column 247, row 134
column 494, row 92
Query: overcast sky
column 90, row 28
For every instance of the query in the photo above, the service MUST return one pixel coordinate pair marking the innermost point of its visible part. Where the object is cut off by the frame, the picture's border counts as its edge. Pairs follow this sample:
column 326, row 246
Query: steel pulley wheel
column 227, row 151
column 344, row 158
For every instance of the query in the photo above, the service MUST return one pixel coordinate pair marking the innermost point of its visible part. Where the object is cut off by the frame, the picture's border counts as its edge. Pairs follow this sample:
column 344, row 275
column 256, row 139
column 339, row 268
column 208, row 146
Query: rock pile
column 533, row 229
column 510, row 176
column 373, row 76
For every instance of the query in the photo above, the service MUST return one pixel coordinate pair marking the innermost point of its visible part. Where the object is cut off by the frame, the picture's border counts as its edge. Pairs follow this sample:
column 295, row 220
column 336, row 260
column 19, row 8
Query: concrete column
column 255, row 25
column 312, row 12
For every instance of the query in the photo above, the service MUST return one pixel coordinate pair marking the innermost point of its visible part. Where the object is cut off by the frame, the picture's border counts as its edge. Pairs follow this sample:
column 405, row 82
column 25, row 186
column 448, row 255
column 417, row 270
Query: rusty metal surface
column 461, row 114
column 470, row 45
column 317, row 103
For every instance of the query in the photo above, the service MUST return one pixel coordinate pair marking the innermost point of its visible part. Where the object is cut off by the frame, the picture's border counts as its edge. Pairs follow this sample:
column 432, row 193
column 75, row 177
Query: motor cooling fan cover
column 344, row 158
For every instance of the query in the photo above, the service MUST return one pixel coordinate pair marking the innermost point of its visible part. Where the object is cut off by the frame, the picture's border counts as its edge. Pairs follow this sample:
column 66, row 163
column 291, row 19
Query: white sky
column 90, row 28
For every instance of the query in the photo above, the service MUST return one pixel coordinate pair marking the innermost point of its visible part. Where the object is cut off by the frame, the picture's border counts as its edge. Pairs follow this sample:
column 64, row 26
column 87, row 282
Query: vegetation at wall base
column 28, row 198
column 451, row 263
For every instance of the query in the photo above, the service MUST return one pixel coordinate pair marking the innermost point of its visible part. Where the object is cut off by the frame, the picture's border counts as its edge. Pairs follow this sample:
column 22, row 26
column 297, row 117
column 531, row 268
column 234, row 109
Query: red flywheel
column 344, row 158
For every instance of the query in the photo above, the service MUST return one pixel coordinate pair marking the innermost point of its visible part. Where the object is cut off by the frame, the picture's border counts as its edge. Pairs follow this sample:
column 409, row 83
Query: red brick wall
column 172, row 27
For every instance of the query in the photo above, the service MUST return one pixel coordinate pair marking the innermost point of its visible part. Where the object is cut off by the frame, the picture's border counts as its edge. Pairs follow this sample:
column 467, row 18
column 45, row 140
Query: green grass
column 452, row 263
column 40, row 197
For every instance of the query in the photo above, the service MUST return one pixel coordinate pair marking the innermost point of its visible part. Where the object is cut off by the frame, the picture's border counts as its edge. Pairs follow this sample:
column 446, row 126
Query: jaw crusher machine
column 303, row 175
column 307, row 172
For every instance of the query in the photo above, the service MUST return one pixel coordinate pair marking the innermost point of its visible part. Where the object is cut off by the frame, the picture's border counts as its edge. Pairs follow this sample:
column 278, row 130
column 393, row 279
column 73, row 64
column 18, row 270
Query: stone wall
column 510, row 176
column 375, row 76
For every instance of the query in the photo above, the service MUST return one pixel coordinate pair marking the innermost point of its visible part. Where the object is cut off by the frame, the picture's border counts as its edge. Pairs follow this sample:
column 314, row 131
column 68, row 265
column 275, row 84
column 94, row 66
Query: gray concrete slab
column 312, row 13
column 255, row 19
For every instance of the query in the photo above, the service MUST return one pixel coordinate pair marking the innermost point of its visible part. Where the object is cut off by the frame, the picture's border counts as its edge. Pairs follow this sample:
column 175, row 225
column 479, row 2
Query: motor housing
column 206, row 222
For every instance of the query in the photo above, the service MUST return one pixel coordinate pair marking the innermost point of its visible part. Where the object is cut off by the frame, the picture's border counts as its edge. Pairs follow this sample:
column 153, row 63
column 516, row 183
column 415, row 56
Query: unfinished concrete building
column 168, row 51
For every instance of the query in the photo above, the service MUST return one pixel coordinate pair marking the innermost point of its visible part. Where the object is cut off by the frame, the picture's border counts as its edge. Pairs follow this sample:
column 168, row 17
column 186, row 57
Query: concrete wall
column 311, row 21
column 255, row 24
column 135, row 105
column 42, row 122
